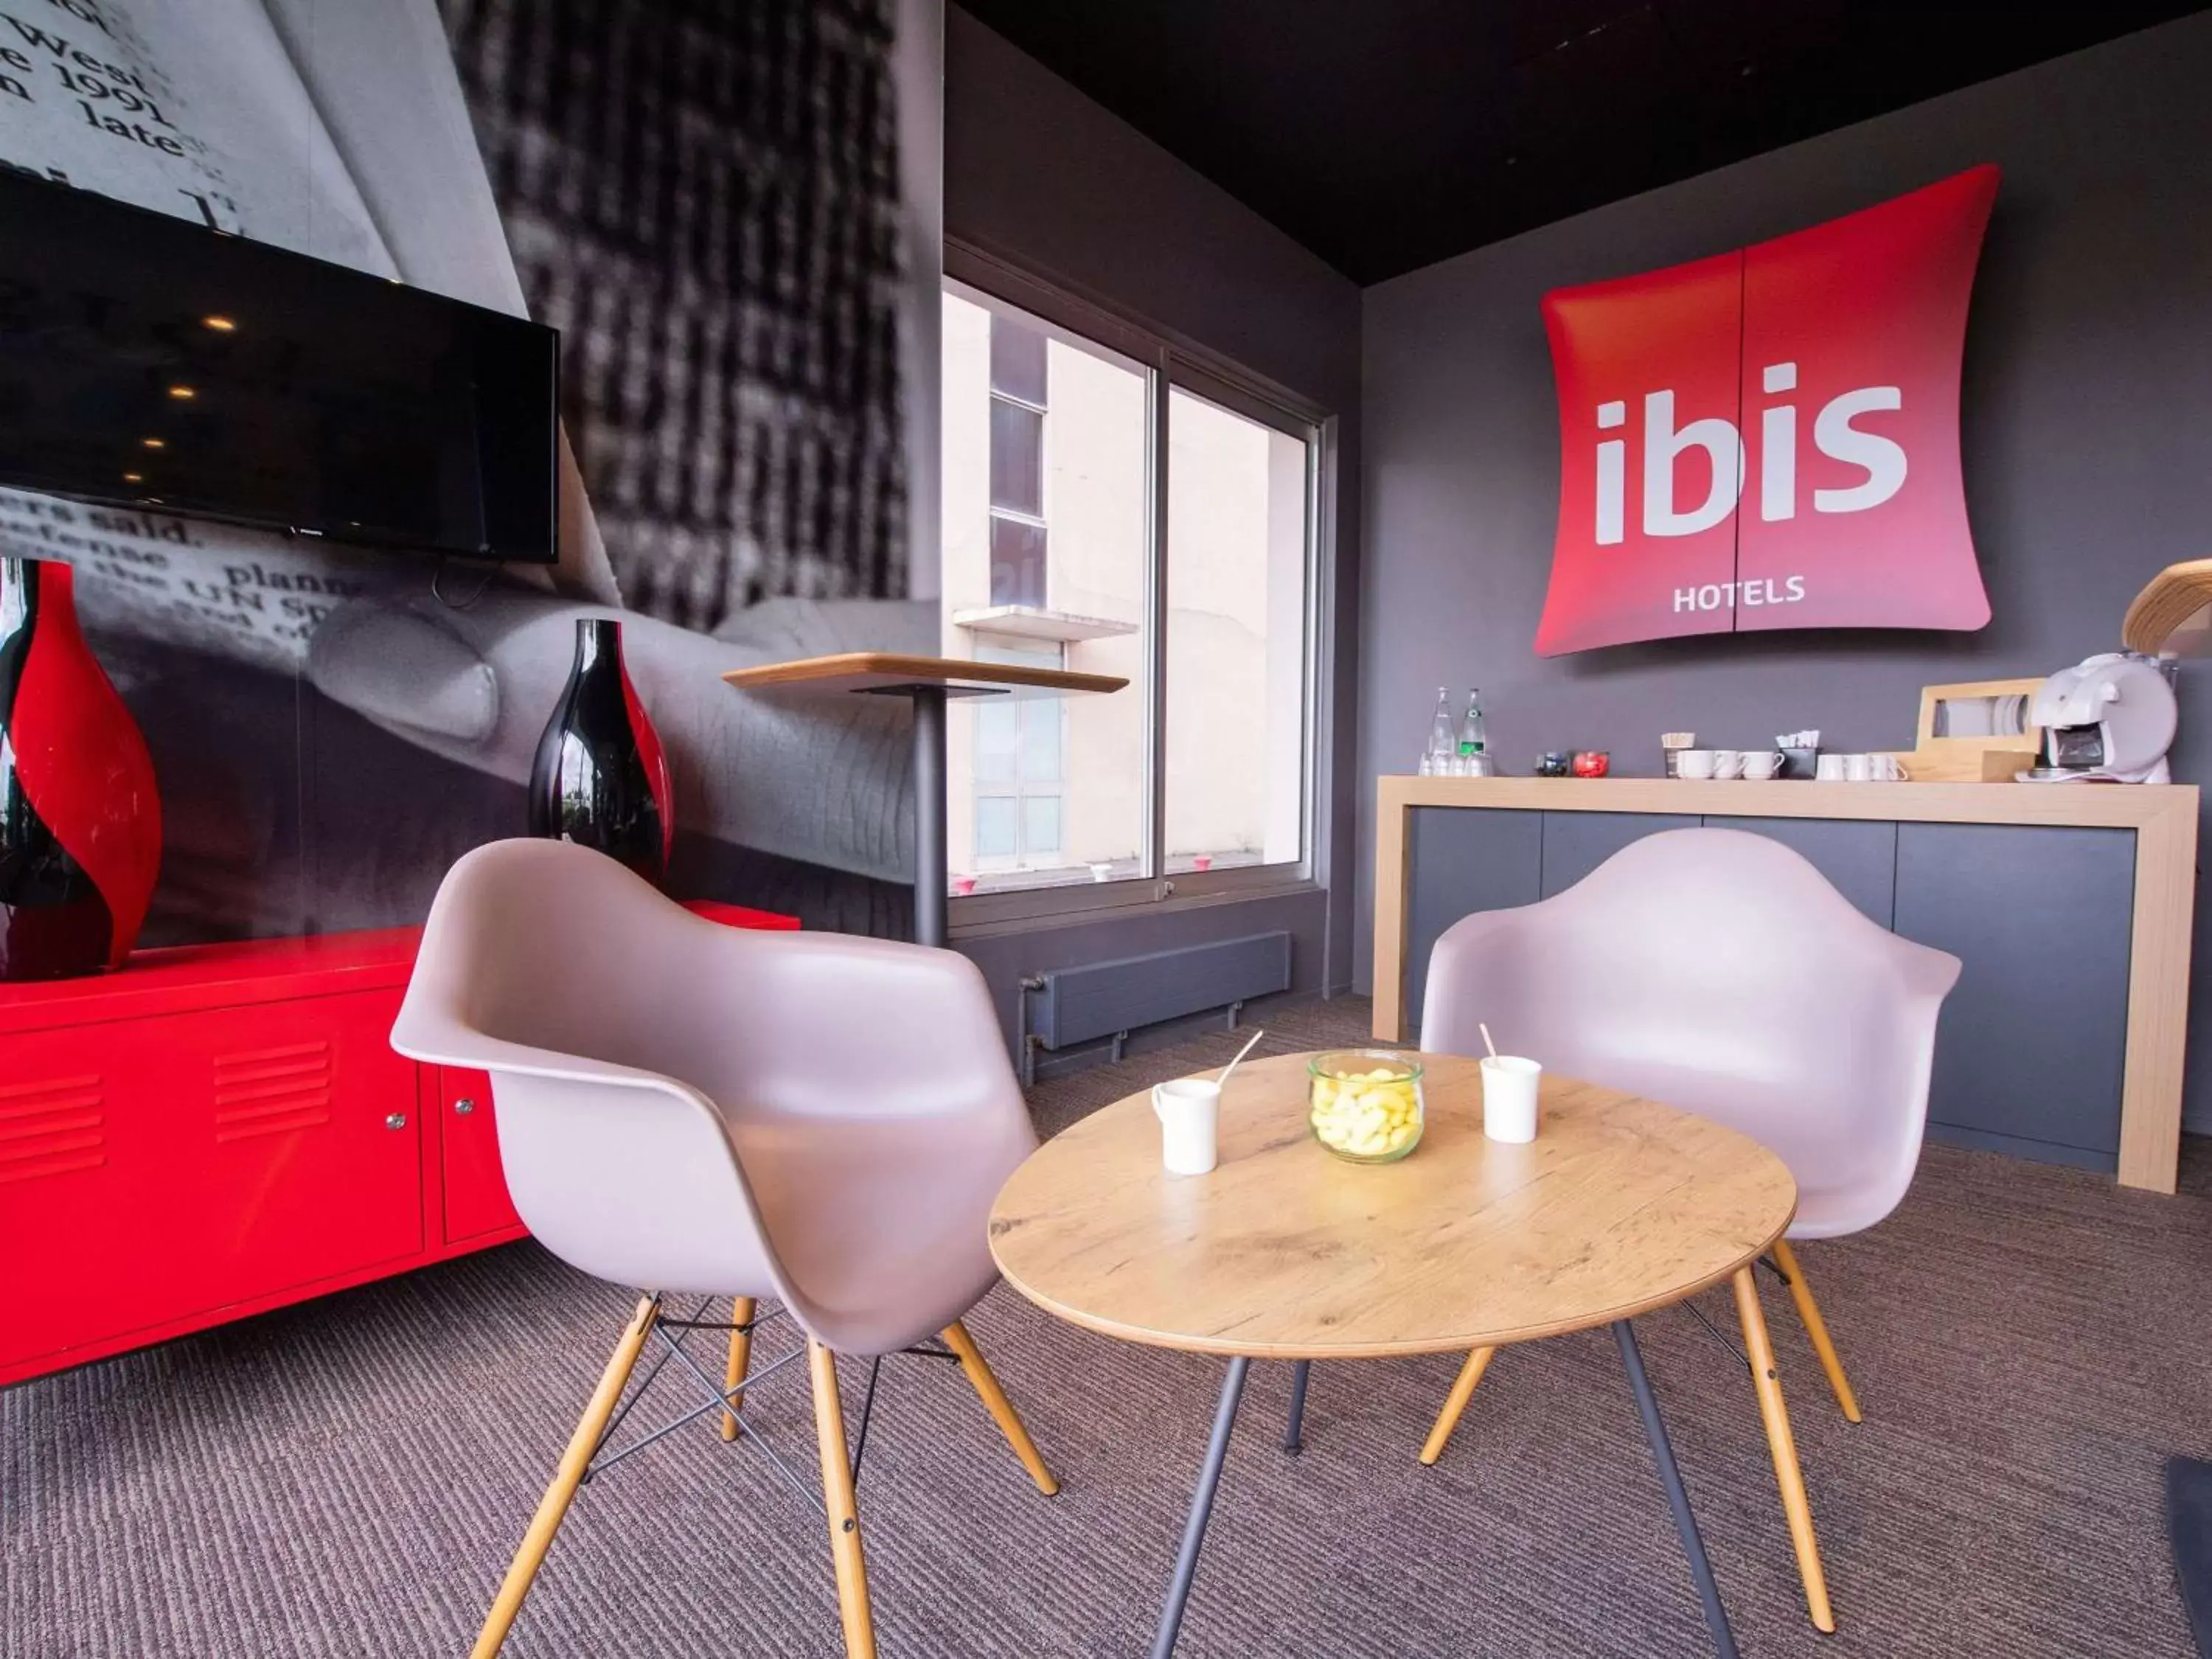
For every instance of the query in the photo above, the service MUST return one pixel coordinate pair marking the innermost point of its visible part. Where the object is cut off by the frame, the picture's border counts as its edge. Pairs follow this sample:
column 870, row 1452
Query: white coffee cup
column 1761, row 764
column 1829, row 768
column 1189, row 1110
column 1728, row 762
column 1696, row 763
column 1508, row 1097
column 1858, row 768
column 1888, row 768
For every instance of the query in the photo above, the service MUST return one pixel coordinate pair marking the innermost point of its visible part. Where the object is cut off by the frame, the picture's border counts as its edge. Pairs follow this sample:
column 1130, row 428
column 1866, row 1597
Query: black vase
column 601, row 776
column 80, row 819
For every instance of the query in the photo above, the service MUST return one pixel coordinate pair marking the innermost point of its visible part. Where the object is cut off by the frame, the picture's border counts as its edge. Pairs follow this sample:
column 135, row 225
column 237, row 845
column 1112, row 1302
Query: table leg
column 1678, row 1499
column 1201, row 1506
column 1294, row 1440
column 931, row 873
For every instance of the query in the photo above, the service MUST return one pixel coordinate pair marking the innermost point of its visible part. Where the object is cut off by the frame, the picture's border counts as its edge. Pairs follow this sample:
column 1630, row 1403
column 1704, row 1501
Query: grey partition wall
column 1463, row 860
column 2032, row 1043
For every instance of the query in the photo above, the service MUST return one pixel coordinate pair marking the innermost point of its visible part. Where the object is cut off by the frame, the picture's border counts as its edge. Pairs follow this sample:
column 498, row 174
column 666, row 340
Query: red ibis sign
column 1769, row 438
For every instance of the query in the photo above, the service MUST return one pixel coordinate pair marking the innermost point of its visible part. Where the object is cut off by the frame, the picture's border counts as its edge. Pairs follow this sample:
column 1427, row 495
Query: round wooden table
column 1618, row 1206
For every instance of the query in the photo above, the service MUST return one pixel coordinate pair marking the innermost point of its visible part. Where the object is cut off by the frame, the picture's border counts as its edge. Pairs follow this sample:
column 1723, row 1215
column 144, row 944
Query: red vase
column 80, row 819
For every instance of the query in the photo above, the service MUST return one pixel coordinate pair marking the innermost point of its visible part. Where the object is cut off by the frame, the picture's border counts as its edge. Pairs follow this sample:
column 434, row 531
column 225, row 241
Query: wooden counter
column 2153, row 935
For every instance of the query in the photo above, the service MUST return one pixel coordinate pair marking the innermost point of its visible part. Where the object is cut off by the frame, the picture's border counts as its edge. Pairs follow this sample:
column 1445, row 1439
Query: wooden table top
column 1286, row 1252
column 879, row 671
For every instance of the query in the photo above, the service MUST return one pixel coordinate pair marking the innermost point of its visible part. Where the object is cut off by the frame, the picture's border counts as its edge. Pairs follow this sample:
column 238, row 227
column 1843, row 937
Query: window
column 1236, row 639
column 1017, row 562
column 1016, row 767
column 1018, row 361
column 1017, row 458
column 1112, row 508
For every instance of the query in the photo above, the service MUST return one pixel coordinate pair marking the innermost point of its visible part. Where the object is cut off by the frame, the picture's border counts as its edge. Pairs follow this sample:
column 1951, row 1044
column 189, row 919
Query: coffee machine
column 2108, row 720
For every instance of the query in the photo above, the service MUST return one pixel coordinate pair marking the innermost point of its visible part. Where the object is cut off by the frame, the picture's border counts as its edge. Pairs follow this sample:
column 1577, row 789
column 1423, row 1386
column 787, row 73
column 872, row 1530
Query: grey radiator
column 1112, row 999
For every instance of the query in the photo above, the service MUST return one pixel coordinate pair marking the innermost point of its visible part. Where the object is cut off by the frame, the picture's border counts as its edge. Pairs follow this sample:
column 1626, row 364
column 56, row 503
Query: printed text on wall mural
column 1769, row 438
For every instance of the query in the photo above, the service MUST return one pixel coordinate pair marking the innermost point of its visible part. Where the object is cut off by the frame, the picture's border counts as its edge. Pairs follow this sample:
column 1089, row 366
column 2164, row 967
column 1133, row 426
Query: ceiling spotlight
column 220, row 324
column 134, row 477
column 155, row 443
column 183, row 393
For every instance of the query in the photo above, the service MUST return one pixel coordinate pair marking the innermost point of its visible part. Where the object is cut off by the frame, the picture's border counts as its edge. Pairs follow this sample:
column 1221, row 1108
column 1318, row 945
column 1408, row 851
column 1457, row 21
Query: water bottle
column 1473, row 747
column 1440, row 759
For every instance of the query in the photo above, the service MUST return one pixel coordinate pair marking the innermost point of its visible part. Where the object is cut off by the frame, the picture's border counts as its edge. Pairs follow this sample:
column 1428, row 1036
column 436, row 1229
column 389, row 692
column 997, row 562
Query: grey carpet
column 348, row 1478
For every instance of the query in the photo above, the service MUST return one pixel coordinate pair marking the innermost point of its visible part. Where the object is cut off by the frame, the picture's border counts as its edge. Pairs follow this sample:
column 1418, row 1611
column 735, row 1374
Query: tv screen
column 148, row 361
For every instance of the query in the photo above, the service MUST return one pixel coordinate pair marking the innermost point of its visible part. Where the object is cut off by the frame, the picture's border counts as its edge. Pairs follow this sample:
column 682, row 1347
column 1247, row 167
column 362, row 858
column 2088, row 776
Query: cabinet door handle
column 464, row 1106
column 396, row 1121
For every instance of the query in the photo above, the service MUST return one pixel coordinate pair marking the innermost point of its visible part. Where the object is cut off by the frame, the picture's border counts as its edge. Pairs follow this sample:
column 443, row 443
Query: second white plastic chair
column 1719, row 972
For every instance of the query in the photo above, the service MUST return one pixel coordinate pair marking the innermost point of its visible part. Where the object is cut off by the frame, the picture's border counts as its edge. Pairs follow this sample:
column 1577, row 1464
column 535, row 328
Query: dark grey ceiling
column 1388, row 134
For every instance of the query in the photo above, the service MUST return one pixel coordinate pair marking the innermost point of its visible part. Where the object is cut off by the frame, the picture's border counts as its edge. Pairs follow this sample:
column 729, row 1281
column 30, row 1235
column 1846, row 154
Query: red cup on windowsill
column 1202, row 860
column 964, row 885
column 1592, row 762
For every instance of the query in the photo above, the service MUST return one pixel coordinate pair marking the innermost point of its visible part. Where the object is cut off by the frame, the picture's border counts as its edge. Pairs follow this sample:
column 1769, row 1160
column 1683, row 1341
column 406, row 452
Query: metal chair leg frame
column 1201, row 1507
column 1294, row 1441
column 867, row 1413
column 1678, row 1499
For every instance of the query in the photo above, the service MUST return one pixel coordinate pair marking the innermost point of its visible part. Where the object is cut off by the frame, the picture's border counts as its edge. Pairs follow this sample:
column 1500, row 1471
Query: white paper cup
column 1508, row 1097
column 1189, row 1110
column 1858, row 768
column 1829, row 768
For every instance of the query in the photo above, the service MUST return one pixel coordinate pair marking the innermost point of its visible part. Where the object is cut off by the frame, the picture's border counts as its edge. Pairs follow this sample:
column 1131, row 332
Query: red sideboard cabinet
column 216, row 1130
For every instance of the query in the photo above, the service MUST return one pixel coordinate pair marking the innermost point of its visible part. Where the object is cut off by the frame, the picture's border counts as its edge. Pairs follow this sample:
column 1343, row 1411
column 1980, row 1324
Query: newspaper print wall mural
column 699, row 192
column 731, row 328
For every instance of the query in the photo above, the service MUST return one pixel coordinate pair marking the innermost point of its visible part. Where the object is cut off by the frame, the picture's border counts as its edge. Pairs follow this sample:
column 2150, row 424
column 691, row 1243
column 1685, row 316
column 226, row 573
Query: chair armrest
column 894, row 1029
column 1456, row 964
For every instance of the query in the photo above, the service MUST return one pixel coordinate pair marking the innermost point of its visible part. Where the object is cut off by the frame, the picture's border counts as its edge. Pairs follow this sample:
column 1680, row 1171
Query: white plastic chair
column 1719, row 972
column 694, row 1108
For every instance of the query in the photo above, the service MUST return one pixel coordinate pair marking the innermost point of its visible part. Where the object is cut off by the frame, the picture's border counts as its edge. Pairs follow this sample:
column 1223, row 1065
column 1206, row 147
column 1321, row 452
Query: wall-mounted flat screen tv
column 148, row 360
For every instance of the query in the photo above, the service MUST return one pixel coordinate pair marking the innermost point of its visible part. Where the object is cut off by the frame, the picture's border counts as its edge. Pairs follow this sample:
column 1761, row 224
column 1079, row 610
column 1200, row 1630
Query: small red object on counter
column 1592, row 763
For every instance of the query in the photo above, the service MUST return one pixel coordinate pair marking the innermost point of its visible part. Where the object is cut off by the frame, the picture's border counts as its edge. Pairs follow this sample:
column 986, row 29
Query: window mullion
column 1156, row 610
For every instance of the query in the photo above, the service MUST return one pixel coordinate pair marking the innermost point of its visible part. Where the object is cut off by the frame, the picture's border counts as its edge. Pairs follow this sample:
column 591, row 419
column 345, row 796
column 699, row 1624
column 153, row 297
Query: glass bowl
column 1364, row 1104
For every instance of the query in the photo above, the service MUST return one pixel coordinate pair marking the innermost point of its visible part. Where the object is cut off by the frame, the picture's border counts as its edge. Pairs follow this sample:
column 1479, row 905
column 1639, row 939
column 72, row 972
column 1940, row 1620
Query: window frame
column 1172, row 365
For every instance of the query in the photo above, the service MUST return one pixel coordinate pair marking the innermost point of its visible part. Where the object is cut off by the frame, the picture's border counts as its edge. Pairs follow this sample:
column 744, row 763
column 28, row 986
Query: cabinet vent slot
column 271, row 1092
column 51, row 1128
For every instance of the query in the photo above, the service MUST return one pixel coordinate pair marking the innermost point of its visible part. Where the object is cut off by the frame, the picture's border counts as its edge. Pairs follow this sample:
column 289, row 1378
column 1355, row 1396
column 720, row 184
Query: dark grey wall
column 1041, row 175
column 2087, row 417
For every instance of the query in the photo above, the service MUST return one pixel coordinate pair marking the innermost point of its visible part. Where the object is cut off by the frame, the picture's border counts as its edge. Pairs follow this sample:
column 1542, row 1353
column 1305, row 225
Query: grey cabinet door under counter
column 2071, row 908
column 2032, row 1042
column 1463, row 862
column 1857, row 856
column 1575, row 843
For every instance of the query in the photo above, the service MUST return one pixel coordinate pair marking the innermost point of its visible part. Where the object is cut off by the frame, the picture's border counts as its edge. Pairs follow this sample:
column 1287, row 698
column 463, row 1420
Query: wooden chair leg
column 554, row 1505
column 1462, row 1389
column 1002, row 1408
column 845, row 1549
column 1808, row 1313
column 1782, row 1445
column 741, row 1356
